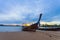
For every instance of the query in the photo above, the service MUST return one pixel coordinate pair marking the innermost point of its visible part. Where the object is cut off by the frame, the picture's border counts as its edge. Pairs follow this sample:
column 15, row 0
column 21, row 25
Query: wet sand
column 39, row 35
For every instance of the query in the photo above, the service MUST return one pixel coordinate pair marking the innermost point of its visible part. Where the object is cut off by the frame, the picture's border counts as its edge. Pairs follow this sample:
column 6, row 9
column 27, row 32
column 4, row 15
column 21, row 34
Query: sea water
column 10, row 29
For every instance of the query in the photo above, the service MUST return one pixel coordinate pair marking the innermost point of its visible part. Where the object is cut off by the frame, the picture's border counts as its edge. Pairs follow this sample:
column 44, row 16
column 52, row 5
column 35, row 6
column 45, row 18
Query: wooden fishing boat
column 32, row 27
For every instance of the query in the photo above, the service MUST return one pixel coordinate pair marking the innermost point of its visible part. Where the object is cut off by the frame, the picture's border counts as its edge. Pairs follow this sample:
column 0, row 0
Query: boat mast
column 38, row 22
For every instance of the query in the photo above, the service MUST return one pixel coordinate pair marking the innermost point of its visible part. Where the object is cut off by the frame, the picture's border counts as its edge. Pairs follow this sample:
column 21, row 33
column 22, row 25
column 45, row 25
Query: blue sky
column 22, row 11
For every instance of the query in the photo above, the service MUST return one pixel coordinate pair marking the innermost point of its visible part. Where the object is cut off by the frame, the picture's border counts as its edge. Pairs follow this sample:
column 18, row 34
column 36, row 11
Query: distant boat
column 49, row 28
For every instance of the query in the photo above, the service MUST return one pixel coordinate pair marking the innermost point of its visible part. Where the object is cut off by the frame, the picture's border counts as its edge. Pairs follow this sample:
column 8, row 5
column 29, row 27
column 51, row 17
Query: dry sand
column 39, row 35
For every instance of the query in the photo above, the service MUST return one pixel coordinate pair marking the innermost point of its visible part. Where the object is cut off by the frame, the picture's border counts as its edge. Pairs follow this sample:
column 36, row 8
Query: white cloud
column 56, row 18
column 19, row 12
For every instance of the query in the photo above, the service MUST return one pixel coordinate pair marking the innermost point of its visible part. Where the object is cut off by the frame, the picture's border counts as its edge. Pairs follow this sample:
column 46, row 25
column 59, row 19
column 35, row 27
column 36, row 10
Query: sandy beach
column 39, row 35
